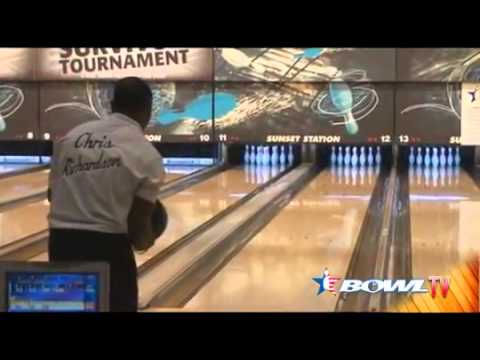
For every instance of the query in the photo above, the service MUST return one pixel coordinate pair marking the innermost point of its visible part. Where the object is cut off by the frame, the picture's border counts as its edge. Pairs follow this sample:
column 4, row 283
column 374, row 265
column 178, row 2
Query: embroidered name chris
column 88, row 142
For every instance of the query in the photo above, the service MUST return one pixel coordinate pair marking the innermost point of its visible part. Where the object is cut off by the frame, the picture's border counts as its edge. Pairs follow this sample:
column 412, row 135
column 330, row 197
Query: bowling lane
column 22, row 221
column 14, row 224
column 444, row 213
column 170, row 176
column 199, row 203
column 16, row 187
column 10, row 168
column 20, row 186
column 192, row 207
column 175, row 172
column 274, row 271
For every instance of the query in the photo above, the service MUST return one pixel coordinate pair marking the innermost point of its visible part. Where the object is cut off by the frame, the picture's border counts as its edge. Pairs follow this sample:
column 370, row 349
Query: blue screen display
column 52, row 292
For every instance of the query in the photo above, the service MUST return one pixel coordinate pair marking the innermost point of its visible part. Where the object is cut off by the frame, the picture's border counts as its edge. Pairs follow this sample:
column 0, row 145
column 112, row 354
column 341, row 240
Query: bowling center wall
column 271, row 96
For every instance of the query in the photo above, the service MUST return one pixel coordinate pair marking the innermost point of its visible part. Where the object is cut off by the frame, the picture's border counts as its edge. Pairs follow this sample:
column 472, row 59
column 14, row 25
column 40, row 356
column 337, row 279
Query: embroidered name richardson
column 105, row 159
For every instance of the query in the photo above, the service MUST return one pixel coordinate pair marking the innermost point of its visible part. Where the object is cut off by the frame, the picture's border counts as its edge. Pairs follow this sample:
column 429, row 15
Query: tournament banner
column 168, row 64
column 17, row 64
column 470, row 123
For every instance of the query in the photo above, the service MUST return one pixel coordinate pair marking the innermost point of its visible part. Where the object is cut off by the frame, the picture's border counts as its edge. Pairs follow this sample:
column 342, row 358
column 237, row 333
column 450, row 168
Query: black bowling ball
column 159, row 220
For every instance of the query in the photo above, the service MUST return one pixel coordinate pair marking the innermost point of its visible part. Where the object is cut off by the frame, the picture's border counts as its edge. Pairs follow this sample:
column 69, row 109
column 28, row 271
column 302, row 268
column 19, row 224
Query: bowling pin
column 435, row 158
column 442, row 176
column 246, row 155
column 282, row 167
column 435, row 175
column 450, row 157
column 362, row 158
column 370, row 156
column 370, row 174
column 427, row 159
column 426, row 172
column 354, row 174
column 354, row 156
column 258, row 174
column 411, row 157
column 347, row 175
column 377, row 169
column 266, row 156
column 443, row 157
column 457, row 156
column 282, row 155
column 346, row 159
column 362, row 175
column 252, row 172
column 275, row 155
column 290, row 154
column 333, row 156
column 449, row 175
column 418, row 173
column 274, row 170
column 419, row 156
column 259, row 155
column 334, row 170
column 265, row 174
column 378, row 156
column 340, row 156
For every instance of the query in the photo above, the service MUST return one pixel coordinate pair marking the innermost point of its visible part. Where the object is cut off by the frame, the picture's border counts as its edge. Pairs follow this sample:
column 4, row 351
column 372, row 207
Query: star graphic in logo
column 326, row 282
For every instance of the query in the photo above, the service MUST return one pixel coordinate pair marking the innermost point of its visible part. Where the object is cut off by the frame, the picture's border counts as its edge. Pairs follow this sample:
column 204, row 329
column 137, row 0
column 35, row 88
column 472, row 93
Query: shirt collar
column 127, row 119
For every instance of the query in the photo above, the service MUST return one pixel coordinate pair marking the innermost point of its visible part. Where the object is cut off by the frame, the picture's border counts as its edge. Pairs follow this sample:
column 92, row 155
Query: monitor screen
column 52, row 292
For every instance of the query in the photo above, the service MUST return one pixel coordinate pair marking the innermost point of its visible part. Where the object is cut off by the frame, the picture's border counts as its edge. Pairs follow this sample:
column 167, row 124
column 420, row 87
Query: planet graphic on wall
column 100, row 96
column 458, row 71
column 11, row 99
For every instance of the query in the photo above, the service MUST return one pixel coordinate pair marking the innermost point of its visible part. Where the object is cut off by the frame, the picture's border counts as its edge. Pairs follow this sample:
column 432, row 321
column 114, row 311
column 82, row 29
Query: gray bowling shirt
column 96, row 171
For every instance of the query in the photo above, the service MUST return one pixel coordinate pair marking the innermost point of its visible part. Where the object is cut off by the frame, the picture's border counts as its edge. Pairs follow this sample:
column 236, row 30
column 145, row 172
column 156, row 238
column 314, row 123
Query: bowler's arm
column 140, row 231
column 53, row 171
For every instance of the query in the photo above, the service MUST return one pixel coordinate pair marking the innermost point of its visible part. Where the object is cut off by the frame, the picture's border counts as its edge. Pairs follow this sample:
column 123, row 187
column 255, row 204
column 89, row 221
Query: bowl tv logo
column 328, row 283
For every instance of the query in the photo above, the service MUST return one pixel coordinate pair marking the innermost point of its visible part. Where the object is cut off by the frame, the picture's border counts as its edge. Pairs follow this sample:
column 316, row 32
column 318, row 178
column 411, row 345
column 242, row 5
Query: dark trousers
column 91, row 246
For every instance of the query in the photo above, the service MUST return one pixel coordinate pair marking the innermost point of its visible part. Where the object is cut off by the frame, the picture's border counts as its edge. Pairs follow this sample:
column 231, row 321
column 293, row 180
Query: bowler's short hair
column 131, row 94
